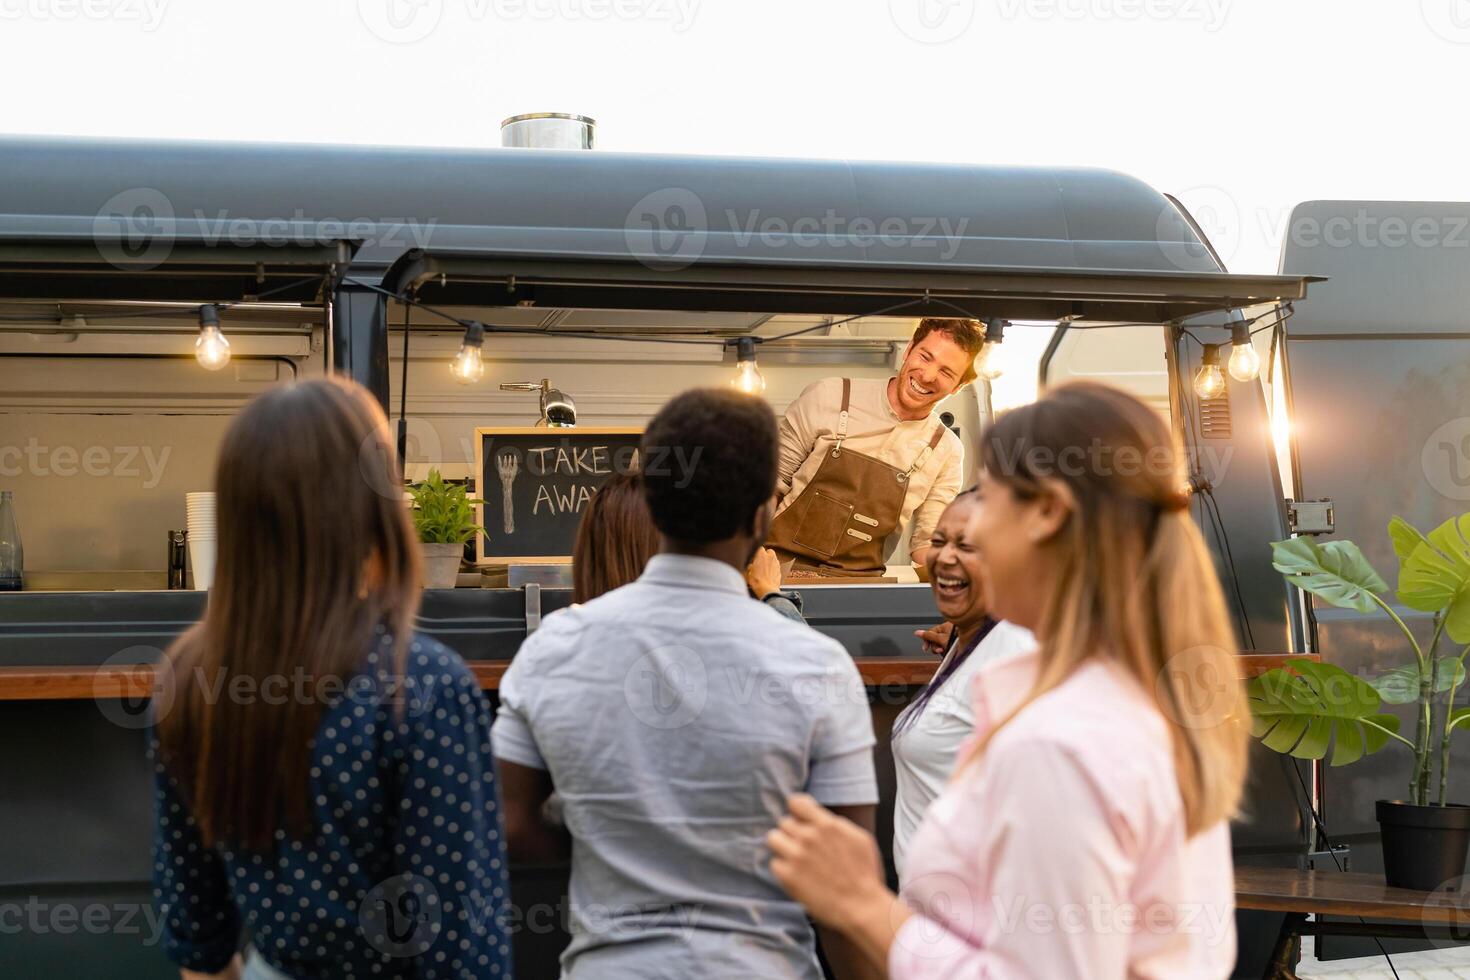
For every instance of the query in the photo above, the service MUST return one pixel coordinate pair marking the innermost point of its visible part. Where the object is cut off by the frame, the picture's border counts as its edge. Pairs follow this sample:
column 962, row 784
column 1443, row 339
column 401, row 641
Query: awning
column 163, row 269
column 485, row 279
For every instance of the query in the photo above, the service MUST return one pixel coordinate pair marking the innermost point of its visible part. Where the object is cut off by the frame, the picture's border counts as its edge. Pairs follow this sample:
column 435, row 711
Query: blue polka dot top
column 404, row 872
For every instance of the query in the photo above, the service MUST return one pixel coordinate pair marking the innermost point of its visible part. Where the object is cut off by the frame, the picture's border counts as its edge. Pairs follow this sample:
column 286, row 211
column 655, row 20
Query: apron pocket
column 823, row 524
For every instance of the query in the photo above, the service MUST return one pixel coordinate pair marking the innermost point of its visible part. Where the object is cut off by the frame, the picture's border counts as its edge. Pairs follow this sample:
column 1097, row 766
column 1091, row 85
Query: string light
column 1245, row 363
column 211, row 350
column 748, row 377
column 1210, row 381
column 469, row 363
column 991, row 362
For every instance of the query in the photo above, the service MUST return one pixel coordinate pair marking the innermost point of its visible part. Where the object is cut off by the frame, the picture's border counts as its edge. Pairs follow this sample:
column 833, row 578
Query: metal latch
column 533, row 607
column 1310, row 516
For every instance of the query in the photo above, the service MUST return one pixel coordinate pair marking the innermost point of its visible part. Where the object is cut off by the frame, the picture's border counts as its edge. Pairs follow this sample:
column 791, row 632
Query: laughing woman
column 1085, row 833
column 927, row 737
column 337, row 803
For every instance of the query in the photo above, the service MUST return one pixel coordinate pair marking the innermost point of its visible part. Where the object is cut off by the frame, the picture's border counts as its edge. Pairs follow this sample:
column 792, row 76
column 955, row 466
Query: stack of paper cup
column 203, row 541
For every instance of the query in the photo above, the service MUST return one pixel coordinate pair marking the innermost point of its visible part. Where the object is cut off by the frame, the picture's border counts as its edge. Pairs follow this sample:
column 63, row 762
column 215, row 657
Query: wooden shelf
column 1345, row 893
column 88, row 683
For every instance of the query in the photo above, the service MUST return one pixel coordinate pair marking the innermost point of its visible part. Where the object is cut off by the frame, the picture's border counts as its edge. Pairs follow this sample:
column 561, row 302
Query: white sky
column 1242, row 108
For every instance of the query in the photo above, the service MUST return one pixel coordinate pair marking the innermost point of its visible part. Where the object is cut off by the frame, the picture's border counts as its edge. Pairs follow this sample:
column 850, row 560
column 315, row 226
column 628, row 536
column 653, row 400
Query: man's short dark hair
column 709, row 462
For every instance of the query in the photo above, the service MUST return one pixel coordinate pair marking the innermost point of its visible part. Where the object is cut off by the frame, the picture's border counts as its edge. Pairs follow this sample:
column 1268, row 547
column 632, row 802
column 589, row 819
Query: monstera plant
column 1321, row 711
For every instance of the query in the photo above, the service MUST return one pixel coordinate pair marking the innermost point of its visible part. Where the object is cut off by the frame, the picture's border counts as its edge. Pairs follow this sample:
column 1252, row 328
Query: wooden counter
column 82, row 683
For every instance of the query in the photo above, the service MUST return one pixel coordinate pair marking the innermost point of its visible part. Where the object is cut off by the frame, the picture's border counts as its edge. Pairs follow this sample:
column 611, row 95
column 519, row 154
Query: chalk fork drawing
column 509, row 468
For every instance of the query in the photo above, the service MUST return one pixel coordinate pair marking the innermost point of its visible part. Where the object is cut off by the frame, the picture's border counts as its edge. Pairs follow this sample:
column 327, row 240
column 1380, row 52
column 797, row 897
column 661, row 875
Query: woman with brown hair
column 616, row 537
column 324, row 777
column 1085, row 833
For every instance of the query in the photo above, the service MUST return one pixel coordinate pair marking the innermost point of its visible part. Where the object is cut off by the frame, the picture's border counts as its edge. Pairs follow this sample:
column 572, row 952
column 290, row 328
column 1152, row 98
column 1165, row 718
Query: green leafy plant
column 444, row 513
column 1317, row 710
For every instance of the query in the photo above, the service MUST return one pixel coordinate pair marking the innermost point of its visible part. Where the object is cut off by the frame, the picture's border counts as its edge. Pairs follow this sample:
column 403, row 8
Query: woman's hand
column 764, row 574
column 828, row 864
column 936, row 638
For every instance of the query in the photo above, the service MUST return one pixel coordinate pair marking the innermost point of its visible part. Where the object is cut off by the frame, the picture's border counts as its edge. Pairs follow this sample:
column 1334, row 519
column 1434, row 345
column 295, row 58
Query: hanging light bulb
column 469, row 363
column 211, row 350
column 748, row 377
column 992, row 360
column 1245, row 363
column 1210, row 381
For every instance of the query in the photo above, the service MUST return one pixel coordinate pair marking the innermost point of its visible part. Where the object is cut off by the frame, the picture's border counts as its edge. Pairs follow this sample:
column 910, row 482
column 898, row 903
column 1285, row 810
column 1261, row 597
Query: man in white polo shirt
column 673, row 716
column 863, row 459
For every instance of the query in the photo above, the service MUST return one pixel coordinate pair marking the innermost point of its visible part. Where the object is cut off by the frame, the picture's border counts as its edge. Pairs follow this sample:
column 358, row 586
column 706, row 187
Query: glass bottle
column 12, row 559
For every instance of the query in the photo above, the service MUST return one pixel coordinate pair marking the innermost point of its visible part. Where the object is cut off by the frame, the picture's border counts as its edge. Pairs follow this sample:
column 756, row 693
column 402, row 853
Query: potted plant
column 444, row 515
column 1318, row 710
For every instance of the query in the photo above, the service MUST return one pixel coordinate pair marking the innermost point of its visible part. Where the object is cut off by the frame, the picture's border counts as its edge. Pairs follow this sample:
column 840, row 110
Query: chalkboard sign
column 537, row 481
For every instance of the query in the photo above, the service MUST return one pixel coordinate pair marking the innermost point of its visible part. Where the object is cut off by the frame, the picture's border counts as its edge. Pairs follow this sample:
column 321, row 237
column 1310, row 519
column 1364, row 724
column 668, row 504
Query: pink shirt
column 1061, row 852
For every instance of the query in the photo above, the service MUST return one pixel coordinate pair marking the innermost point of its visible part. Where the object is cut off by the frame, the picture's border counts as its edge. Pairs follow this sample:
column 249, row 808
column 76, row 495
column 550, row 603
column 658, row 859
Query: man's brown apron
column 839, row 522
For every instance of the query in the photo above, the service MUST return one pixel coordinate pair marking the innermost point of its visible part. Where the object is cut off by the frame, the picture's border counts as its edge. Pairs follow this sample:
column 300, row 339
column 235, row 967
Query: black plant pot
column 1424, row 847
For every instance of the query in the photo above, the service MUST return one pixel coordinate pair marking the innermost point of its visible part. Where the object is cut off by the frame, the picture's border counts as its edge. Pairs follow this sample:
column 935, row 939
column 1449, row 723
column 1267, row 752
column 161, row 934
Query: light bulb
column 991, row 363
column 748, row 377
column 1245, row 363
column 992, row 360
column 1210, row 381
column 469, row 365
column 211, row 349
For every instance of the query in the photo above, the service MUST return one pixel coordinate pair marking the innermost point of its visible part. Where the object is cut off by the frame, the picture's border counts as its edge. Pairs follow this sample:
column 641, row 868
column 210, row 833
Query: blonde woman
column 1085, row 831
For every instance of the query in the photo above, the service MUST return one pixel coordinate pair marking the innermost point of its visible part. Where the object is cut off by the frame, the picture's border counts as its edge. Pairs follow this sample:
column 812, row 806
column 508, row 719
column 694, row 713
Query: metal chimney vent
column 548, row 131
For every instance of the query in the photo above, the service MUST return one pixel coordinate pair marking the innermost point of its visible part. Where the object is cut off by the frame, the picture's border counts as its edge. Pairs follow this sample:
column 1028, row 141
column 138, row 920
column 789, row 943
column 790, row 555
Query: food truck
column 592, row 286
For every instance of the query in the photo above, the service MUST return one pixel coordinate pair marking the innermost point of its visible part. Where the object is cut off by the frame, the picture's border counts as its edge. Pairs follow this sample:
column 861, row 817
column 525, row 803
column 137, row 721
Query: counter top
column 83, row 683
column 82, row 645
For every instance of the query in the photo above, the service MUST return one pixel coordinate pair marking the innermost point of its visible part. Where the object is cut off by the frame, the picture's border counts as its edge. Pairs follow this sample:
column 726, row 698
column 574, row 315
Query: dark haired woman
column 615, row 538
column 324, row 775
column 928, row 734
column 1085, row 832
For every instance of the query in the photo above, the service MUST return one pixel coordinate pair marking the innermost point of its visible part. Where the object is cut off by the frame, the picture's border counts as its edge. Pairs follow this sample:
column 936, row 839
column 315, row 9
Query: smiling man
column 861, row 460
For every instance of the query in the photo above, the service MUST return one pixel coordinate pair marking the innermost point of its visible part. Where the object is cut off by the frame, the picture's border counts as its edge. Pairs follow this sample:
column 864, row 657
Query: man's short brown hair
column 969, row 335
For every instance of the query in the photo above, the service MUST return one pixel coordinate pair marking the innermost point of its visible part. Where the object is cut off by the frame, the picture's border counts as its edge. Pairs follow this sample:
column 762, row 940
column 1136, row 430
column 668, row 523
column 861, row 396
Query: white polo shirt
column 924, row 753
